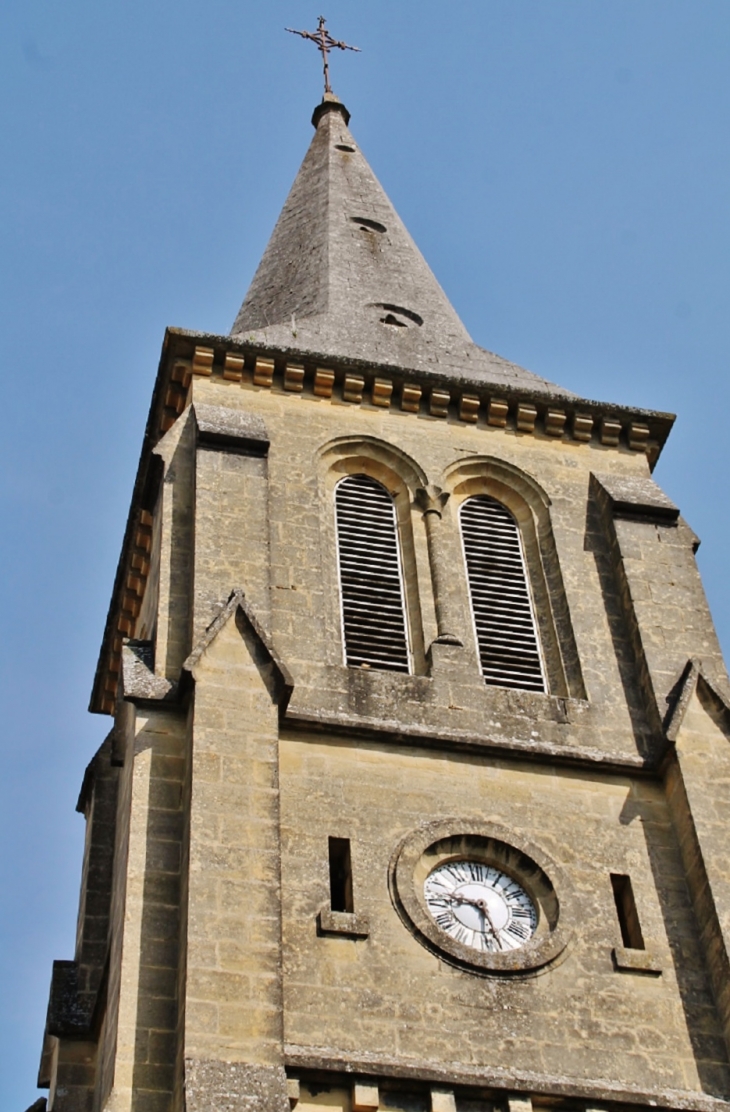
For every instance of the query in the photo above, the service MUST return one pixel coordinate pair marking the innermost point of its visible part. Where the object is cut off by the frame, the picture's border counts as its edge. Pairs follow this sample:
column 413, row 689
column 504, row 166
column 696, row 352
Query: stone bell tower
column 416, row 786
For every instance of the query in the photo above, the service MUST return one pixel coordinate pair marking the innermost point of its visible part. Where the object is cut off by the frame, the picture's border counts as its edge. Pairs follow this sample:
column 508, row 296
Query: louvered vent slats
column 371, row 583
column 501, row 605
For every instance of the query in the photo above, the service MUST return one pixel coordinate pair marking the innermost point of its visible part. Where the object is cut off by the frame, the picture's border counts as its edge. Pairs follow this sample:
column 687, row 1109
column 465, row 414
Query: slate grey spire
column 341, row 276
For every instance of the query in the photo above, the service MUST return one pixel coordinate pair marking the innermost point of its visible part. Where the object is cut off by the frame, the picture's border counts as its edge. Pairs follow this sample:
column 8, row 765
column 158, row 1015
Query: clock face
column 480, row 906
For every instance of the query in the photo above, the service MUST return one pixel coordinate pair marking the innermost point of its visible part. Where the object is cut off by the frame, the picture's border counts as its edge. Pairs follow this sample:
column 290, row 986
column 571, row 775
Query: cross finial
column 325, row 43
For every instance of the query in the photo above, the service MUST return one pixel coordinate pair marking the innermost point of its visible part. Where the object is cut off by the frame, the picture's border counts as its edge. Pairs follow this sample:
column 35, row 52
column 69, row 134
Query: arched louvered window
column 371, row 580
column 504, row 620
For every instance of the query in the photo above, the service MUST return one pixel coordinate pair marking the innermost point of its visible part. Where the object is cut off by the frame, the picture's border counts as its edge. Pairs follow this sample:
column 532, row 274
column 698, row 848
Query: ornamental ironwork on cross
column 325, row 43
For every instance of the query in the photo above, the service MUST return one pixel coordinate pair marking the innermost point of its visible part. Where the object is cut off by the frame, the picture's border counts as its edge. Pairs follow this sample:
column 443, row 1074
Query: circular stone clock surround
column 435, row 843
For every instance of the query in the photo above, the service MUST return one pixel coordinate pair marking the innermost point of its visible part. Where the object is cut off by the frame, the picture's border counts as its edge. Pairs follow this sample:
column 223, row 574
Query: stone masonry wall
column 388, row 996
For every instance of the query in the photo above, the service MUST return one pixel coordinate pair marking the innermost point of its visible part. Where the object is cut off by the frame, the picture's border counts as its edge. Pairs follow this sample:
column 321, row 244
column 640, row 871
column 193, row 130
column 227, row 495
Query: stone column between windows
column 431, row 501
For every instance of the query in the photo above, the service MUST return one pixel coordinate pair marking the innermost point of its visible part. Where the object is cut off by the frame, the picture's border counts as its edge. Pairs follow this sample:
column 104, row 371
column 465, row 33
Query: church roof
column 342, row 275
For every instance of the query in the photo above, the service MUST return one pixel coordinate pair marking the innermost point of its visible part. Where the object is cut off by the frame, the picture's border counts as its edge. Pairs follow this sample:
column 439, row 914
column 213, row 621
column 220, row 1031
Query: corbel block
column 233, row 367
column 610, row 432
column 145, row 519
column 526, row 417
column 263, row 372
column 410, row 400
column 203, row 361
column 638, row 436
column 439, row 403
column 582, row 427
column 352, row 388
column 130, row 605
column 443, row 1100
column 181, row 373
column 293, row 1091
column 365, row 1098
column 167, row 421
column 555, row 422
column 323, row 382
column 382, row 392
column 497, row 413
column 294, row 378
column 469, row 408
column 174, row 399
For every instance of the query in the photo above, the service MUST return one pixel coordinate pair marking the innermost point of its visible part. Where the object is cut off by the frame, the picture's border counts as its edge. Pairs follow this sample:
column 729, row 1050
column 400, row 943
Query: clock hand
column 480, row 905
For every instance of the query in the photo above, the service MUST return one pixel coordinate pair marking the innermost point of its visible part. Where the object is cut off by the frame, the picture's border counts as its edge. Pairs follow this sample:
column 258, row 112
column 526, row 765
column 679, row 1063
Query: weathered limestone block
column 365, row 1097
column 234, row 1087
column 443, row 1100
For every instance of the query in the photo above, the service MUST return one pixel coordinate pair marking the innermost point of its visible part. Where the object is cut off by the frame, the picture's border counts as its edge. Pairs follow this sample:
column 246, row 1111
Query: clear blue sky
column 563, row 165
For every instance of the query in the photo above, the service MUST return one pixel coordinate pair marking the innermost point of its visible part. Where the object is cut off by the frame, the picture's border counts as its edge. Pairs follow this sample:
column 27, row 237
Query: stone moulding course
column 436, row 395
column 606, row 1091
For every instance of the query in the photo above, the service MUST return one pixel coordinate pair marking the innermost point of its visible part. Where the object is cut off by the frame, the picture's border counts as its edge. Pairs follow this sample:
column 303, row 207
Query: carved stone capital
column 432, row 499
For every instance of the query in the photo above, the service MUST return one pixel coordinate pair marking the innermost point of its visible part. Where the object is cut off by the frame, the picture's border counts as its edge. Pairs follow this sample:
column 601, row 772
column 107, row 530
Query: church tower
column 415, row 791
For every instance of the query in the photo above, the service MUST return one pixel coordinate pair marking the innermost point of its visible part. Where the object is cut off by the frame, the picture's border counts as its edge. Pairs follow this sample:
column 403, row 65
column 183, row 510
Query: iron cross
column 325, row 43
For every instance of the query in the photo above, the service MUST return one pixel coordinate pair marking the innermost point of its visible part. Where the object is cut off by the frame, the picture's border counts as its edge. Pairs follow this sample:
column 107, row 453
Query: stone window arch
column 528, row 506
column 502, row 608
column 372, row 598
column 364, row 460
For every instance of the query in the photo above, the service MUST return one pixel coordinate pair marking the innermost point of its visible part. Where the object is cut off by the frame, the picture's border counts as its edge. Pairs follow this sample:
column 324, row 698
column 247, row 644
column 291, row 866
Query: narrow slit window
column 501, row 604
column 628, row 916
column 371, row 578
column 340, row 875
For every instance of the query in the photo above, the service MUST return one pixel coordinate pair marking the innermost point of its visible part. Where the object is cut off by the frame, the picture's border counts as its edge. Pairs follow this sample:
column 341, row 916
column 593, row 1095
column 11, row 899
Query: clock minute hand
column 480, row 905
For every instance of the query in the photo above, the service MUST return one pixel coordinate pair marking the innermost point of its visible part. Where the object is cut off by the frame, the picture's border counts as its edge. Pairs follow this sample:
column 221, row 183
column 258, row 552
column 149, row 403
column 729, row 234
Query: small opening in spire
column 365, row 224
column 395, row 312
column 344, row 147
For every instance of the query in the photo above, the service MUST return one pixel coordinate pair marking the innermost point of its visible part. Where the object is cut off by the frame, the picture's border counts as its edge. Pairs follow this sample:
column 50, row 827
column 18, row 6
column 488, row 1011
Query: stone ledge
column 635, row 961
column 637, row 496
column 139, row 682
column 231, row 429
column 342, row 922
column 452, row 1074
column 417, row 710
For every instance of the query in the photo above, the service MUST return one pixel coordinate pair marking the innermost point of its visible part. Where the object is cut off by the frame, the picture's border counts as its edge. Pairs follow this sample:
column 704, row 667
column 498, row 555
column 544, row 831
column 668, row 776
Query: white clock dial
column 480, row 906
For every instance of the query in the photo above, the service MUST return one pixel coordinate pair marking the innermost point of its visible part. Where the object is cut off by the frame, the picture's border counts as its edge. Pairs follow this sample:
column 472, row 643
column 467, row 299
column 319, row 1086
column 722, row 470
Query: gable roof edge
column 237, row 601
column 694, row 673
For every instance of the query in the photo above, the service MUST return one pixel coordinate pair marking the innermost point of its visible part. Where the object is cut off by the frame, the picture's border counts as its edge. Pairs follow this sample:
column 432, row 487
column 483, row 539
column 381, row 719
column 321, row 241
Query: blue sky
column 562, row 164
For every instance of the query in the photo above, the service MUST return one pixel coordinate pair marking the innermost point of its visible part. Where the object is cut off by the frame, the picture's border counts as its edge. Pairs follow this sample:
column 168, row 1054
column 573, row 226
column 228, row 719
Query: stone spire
column 341, row 276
